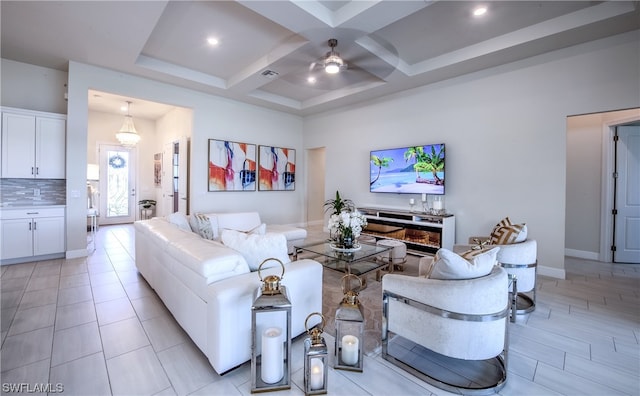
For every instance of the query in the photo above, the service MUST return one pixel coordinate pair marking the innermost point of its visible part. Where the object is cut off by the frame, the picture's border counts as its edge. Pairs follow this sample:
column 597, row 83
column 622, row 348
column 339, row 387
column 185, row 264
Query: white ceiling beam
column 277, row 99
column 538, row 31
column 171, row 69
column 250, row 77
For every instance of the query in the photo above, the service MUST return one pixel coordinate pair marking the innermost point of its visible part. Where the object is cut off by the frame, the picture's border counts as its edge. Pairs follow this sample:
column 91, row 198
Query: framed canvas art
column 157, row 170
column 277, row 169
column 232, row 166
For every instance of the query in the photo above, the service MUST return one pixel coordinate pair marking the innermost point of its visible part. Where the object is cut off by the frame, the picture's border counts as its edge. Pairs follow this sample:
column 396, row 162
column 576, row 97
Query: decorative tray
column 355, row 248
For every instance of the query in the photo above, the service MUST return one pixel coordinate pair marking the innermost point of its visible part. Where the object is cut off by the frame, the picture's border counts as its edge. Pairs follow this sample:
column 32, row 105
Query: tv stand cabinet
column 422, row 233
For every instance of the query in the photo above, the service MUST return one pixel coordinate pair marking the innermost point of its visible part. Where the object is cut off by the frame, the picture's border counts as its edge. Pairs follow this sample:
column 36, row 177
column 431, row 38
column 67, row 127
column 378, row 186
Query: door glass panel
column 118, row 184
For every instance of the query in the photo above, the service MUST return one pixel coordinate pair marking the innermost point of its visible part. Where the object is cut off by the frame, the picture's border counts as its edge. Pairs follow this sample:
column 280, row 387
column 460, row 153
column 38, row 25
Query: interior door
column 117, row 184
column 183, row 175
column 167, row 179
column 627, row 220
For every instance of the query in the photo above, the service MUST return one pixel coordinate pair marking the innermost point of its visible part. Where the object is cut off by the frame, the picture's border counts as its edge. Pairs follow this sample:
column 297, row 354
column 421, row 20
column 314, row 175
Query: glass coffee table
column 359, row 261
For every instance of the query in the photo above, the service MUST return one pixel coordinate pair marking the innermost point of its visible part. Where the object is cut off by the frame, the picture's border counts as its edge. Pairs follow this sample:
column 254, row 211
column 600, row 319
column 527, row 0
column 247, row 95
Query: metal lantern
column 316, row 360
column 349, row 329
column 271, row 335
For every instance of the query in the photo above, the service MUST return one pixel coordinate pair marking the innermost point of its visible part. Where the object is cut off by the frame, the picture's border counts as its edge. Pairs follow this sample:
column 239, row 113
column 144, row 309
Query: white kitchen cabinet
column 27, row 233
column 33, row 144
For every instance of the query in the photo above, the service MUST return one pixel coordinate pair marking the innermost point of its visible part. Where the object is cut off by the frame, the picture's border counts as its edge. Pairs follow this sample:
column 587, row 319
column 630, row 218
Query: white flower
column 354, row 221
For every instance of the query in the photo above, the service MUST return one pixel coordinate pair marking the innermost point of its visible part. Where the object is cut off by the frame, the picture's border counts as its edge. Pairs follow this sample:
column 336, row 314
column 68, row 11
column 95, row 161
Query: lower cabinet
column 29, row 233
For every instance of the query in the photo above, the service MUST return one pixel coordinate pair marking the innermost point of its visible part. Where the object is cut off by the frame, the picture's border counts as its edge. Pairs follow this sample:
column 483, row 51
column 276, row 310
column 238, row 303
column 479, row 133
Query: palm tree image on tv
column 408, row 170
column 427, row 162
column 380, row 163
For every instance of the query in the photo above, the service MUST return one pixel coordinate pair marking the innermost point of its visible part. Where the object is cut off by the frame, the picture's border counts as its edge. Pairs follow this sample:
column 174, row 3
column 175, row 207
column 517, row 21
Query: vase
column 345, row 241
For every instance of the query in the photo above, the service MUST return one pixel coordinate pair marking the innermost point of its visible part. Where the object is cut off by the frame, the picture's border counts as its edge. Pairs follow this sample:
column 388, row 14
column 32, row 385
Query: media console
column 422, row 233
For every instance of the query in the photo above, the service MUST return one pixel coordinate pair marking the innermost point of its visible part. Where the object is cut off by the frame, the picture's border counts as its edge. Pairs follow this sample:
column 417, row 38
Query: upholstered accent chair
column 520, row 260
column 450, row 333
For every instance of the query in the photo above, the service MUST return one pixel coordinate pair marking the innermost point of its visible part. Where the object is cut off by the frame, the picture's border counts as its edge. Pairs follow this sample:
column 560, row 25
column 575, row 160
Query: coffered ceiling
column 267, row 50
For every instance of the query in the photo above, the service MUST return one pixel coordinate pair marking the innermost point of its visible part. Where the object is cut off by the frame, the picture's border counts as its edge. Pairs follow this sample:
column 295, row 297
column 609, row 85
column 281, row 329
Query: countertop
column 29, row 206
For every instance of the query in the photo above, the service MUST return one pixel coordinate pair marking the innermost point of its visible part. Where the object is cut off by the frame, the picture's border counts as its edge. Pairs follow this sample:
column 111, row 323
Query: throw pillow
column 257, row 248
column 505, row 232
column 201, row 225
column 180, row 220
column 451, row 266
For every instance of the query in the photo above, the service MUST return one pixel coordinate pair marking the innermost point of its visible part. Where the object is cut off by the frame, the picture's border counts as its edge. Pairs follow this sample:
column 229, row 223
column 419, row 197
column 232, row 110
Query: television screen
column 408, row 170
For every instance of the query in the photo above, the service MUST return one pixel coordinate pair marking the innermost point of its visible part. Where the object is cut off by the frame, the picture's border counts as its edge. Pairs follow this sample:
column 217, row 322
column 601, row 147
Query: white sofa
column 209, row 288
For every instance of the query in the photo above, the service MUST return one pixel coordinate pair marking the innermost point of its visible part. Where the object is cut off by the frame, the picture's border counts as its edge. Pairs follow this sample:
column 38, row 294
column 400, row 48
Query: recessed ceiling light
column 480, row 11
column 311, row 80
column 123, row 108
column 212, row 41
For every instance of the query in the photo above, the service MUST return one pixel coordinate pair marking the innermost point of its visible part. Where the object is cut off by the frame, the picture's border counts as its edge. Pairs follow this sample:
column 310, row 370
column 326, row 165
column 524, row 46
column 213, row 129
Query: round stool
column 397, row 255
column 368, row 239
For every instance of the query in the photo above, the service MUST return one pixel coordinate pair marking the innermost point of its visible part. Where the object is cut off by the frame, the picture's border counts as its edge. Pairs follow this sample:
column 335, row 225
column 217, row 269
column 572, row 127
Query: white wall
column 32, row 87
column 505, row 135
column 213, row 117
column 172, row 126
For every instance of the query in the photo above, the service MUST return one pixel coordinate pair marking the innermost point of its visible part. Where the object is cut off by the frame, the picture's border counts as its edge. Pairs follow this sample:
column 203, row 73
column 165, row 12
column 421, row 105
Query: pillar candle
column 437, row 205
column 272, row 369
column 424, row 197
column 350, row 350
column 316, row 379
column 412, row 201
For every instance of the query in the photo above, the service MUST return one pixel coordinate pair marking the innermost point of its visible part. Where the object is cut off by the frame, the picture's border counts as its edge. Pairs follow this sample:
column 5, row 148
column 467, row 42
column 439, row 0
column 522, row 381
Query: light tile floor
column 94, row 326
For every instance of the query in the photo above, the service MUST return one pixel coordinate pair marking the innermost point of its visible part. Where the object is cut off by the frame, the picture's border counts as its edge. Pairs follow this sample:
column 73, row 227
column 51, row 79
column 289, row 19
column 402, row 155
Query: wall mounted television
column 408, row 170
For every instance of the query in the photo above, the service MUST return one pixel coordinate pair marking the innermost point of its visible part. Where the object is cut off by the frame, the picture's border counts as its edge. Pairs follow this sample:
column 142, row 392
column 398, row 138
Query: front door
column 627, row 220
column 117, row 184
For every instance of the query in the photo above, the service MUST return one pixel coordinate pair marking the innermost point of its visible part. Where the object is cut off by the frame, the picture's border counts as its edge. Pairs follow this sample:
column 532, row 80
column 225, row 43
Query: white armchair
column 520, row 261
column 457, row 324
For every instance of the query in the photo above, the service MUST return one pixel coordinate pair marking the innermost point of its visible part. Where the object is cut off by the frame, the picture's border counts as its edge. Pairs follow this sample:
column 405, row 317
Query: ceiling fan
column 332, row 71
column 332, row 63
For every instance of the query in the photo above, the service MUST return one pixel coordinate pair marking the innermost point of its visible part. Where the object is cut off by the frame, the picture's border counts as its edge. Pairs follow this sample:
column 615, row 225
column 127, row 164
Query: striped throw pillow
column 505, row 232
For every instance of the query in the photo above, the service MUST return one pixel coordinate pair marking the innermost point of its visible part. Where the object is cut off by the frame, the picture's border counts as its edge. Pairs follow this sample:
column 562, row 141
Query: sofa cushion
column 290, row 232
column 180, row 220
column 505, row 232
column 209, row 261
column 257, row 248
column 449, row 265
column 240, row 221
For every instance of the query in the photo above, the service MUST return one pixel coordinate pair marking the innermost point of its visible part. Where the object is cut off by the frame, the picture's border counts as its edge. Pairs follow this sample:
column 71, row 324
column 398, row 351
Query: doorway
column 175, row 177
column 315, row 185
column 117, row 184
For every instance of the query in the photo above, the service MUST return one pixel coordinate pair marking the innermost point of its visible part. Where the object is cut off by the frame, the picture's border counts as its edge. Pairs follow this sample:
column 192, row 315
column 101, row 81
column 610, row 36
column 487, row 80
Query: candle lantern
column 316, row 362
column 349, row 328
column 271, row 335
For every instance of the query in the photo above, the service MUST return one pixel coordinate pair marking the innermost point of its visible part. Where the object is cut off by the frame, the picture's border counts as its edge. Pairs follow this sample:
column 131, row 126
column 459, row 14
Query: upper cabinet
column 33, row 144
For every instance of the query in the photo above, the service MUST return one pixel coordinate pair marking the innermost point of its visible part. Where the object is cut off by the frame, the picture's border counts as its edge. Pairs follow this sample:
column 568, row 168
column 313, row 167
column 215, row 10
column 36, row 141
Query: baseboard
column 552, row 272
column 71, row 254
column 315, row 223
column 582, row 254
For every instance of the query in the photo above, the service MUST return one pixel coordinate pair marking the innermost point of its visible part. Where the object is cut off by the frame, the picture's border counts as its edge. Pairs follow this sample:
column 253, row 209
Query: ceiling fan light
column 332, row 67
column 333, row 63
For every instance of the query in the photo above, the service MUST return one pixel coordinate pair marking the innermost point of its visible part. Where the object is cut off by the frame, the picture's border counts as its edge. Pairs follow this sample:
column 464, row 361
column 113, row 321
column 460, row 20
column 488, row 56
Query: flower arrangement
column 346, row 227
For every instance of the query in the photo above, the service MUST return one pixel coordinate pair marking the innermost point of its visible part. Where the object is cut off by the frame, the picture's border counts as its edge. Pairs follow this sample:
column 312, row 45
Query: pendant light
column 128, row 136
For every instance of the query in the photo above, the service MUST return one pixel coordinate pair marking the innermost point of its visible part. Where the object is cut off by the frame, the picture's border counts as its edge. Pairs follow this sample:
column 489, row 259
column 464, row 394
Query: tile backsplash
column 16, row 192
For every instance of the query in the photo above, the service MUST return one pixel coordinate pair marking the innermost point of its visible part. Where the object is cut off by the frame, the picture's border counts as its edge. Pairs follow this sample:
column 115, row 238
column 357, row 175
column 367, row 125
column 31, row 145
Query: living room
column 505, row 129
column 478, row 131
